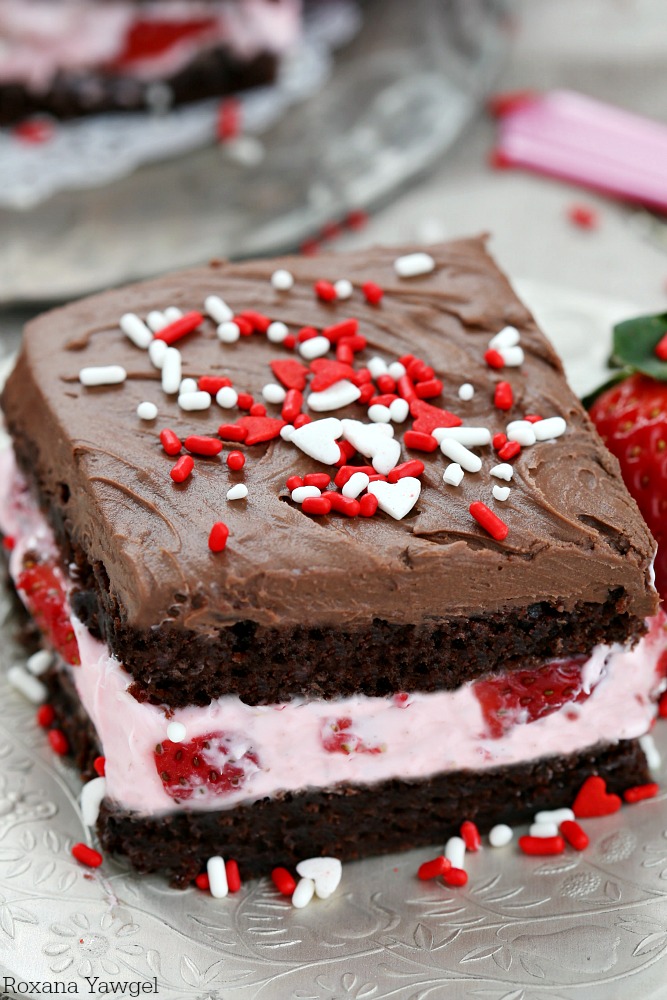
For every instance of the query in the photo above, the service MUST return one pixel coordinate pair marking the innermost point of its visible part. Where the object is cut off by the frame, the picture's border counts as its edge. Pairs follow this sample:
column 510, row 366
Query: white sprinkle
column 343, row 288
column 503, row 471
column 414, row 264
column 385, row 430
column 466, row 392
column 102, row 375
column 651, row 752
column 316, row 347
column 501, row 492
column 39, row 662
column 399, row 410
column 156, row 321
column 218, row 309
column 318, row 439
column 512, row 356
column 543, row 830
column 176, row 732
column 287, row 431
column 91, row 797
column 247, row 150
column 303, row 893
column 227, row 397
column 339, row 394
column 471, row 437
column 325, row 873
column 453, row 474
column 147, row 410
column 379, row 414
column 302, row 493
column 27, row 685
column 375, row 441
column 273, row 393
column 228, row 332
column 282, row 280
column 217, row 877
column 455, row 851
column 136, row 330
column 550, row 427
column 156, row 352
column 396, row 499
column 396, row 370
column 172, row 313
column 556, row 816
column 171, row 370
column 377, row 366
column 187, row 385
column 500, row 835
column 355, row 485
column 277, row 332
column 195, row 401
column 521, row 431
column 457, row 452
column 238, row 492
column 509, row 336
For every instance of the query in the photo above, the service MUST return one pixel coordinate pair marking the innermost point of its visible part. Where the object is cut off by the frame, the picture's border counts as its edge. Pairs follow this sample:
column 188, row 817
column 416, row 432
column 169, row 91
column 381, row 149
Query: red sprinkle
column 372, row 293
column 235, row 460
column 232, row 432
column 431, row 869
column 583, row 216
column 233, row 877
column 368, row 504
column 294, row 483
column 499, row 441
column 377, row 477
column 344, row 505
column 260, row 428
column 34, row 131
column 306, row 333
column 346, row 328
column 100, row 765
column 661, row 348
column 325, row 291
column 228, row 125
column 213, row 383
column 200, row 445
column 506, row 102
column 386, row 383
column 257, row 410
column 366, row 393
column 309, row 248
column 406, row 388
column 470, row 835
column 182, row 469
column 640, row 792
column 542, row 845
column 289, row 343
column 489, row 521
column 246, row 329
column 509, row 450
column 8, row 542
column 217, row 539
column 356, row 219
column 319, row 479
column 260, row 322
column 575, row 836
column 202, row 882
column 455, row 877
column 180, row 327
column 532, row 418
column 302, row 419
column 170, row 441
column 87, row 856
column 290, row 373
column 244, row 401
column 386, row 399
column 344, row 352
column 316, row 505
column 503, row 396
column 346, row 472
column 45, row 716
column 58, row 742
column 412, row 468
column 428, row 417
column 429, row 389
column 494, row 359
column 361, row 376
column 328, row 372
column 662, row 705
column 419, row 371
column 347, row 451
column 419, row 441
column 283, row 881
column 292, row 405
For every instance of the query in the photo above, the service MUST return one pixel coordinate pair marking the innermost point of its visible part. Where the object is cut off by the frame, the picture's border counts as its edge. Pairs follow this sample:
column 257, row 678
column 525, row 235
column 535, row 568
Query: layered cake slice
column 78, row 57
column 331, row 555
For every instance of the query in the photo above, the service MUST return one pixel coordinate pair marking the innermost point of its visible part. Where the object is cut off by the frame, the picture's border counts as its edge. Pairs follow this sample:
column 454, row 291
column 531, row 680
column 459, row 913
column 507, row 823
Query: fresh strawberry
column 211, row 765
column 43, row 592
column 631, row 418
column 337, row 737
column 523, row 696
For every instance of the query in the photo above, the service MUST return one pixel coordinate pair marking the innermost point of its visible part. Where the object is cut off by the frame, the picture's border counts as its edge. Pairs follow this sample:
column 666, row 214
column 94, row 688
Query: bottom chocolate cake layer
column 347, row 822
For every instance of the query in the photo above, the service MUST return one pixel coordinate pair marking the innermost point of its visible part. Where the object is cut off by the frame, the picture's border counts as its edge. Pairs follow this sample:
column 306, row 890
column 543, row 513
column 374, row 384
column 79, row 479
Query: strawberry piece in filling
column 338, row 737
column 214, row 764
column 43, row 592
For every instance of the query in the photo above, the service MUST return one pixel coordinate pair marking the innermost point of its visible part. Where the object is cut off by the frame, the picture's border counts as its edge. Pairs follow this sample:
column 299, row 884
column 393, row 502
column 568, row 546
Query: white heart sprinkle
column 396, row 499
column 503, row 471
column 501, row 492
column 334, row 397
column 453, row 474
column 324, row 872
column 318, row 439
column 374, row 441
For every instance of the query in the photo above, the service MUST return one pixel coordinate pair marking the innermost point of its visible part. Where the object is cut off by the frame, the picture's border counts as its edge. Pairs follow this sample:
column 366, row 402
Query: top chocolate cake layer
column 575, row 535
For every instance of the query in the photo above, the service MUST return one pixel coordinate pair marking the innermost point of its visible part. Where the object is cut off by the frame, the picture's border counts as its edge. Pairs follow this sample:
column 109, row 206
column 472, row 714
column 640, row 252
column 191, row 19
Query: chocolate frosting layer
column 575, row 535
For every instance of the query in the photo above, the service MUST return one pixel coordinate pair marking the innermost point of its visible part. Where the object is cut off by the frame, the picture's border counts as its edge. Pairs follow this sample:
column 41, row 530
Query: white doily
column 93, row 151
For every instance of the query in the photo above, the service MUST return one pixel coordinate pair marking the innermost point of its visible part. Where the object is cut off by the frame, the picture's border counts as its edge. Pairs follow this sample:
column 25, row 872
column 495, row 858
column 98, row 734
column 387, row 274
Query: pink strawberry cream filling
column 232, row 752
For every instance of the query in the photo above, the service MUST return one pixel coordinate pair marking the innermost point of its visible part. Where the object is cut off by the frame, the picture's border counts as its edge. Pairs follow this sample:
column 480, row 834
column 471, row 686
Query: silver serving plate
column 589, row 926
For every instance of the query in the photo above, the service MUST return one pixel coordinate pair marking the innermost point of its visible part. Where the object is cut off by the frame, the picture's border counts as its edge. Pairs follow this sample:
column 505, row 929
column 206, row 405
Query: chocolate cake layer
column 576, row 558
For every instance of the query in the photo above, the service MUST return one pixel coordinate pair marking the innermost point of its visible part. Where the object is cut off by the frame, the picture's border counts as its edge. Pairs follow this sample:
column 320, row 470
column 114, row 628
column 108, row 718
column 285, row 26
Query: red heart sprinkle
column 292, row 374
column 428, row 417
column 327, row 373
column 594, row 800
column 260, row 428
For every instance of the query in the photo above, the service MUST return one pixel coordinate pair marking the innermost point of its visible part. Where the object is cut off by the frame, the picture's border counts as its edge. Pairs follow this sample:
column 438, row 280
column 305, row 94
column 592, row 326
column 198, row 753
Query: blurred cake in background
column 75, row 57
